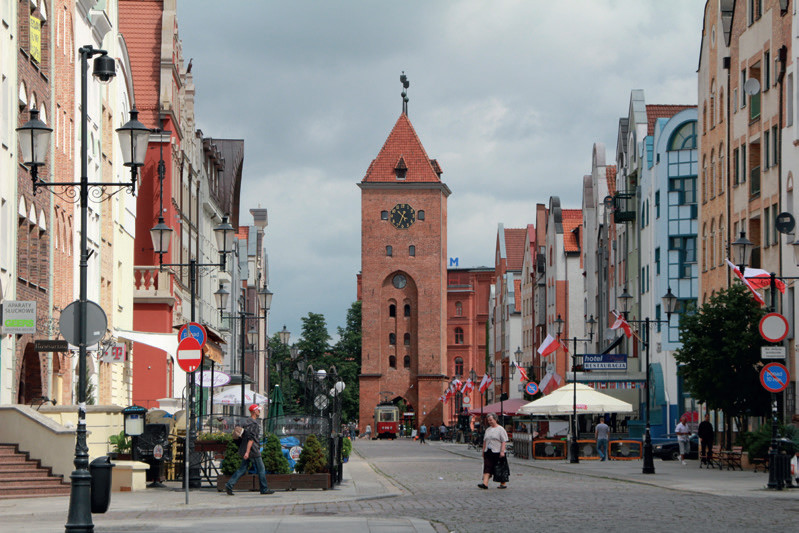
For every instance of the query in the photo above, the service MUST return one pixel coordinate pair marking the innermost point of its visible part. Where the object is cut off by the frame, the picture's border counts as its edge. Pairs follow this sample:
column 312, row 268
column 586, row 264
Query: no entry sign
column 189, row 354
column 773, row 327
column 774, row 377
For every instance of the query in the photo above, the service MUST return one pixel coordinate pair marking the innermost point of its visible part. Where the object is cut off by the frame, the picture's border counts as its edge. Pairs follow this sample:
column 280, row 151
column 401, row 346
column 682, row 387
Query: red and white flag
column 456, row 384
column 746, row 282
column 522, row 371
column 442, row 399
column 468, row 386
column 549, row 345
column 485, row 383
column 623, row 324
column 761, row 279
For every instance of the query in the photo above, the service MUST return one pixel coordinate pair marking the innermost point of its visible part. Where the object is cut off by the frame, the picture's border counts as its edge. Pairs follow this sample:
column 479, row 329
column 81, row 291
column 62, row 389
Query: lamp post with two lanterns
column 574, row 448
column 34, row 140
column 669, row 302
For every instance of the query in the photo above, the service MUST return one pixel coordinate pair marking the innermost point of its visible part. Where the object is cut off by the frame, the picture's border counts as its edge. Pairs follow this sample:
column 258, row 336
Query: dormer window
column 401, row 170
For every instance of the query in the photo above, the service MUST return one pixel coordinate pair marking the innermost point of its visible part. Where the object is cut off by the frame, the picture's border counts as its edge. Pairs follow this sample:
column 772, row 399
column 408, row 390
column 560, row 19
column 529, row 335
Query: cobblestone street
column 441, row 487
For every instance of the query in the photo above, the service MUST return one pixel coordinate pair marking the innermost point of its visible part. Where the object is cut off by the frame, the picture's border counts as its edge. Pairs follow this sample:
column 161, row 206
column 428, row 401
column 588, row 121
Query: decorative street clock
column 402, row 216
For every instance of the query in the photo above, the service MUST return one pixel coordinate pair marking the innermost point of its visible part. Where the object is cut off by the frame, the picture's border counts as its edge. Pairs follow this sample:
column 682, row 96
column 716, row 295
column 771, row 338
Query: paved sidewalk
column 208, row 510
column 668, row 474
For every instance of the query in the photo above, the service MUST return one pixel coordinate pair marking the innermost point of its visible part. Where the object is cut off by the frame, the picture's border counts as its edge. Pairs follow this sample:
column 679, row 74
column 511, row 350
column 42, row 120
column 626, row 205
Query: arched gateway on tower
column 403, row 280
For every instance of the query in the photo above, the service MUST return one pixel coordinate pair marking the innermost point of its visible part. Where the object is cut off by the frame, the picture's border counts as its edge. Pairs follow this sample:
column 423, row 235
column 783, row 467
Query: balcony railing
column 150, row 283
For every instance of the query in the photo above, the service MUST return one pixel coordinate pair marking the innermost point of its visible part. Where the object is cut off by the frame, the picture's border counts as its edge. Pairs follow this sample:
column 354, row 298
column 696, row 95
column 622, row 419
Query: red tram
column 387, row 421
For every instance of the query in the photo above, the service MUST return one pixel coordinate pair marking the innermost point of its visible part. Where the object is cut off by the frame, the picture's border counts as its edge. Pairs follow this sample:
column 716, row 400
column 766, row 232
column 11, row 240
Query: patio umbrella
column 561, row 402
column 275, row 409
column 232, row 396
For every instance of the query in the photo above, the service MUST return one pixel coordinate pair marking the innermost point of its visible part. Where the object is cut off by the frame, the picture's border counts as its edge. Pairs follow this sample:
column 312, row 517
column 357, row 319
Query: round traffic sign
column 96, row 323
column 773, row 327
column 195, row 330
column 532, row 388
column 189, row 354
column 774, row 377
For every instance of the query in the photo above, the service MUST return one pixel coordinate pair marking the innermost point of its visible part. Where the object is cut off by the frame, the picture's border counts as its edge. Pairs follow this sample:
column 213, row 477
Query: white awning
column 163, row 341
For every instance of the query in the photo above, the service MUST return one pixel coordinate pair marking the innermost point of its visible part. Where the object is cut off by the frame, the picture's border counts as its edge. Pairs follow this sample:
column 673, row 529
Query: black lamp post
column 574, row 447
column 34, row 139
column 265, row 300
column 669, row 303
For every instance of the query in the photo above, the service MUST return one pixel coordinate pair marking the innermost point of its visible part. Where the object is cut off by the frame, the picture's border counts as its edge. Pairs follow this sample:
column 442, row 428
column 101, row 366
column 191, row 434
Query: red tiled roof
column 654, row 112
column 517, row 295
column 610, row 174
column 572, row 218
column 514, row 247
column 402, row 145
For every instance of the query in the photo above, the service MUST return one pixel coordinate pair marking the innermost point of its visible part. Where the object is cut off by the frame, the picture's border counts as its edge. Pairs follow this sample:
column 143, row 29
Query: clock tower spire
column 403, row 280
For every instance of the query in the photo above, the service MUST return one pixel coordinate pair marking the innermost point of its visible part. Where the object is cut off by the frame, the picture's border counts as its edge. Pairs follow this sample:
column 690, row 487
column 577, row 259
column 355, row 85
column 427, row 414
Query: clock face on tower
column 402, row 216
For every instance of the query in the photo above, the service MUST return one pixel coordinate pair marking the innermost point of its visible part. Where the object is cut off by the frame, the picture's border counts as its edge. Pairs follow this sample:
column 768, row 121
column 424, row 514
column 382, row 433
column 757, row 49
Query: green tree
column 315, row 342
column 347, row 357
column 312, row 458
column 274, row 460
column 720, row 355
column 280, row 353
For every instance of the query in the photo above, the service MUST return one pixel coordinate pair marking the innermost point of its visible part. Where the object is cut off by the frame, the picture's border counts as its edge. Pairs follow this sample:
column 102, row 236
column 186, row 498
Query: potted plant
column 312, row 466
column 212, row 442
column 120, row 446
column 346, row 449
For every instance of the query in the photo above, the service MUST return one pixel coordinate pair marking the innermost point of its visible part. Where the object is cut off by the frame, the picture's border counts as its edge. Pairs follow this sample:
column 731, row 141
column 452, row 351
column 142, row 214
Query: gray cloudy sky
column 509, row 96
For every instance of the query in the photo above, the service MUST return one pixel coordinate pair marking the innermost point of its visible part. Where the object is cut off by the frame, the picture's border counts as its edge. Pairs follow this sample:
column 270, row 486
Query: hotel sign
column 605, row 361
column 36, row 39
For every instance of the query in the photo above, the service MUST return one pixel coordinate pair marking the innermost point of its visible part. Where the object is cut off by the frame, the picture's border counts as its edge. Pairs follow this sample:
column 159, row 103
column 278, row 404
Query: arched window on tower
column 392, row 310
column 458, row 366
column 392, row 338
column 406, row 339
column 406, row 361
column 458, row 335
column 392, row 361
column 407, row 310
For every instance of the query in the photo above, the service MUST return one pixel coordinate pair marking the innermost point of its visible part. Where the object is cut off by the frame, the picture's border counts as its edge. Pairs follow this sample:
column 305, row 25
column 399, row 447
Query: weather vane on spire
column 405, row 85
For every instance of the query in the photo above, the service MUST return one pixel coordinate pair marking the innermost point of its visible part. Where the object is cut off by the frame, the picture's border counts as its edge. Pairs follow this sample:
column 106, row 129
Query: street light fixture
column 574, row 447
column 669, row 303
column 34, row 140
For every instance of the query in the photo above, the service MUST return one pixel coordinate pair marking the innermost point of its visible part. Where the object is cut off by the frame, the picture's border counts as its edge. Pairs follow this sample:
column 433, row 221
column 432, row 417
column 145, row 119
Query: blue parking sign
column 774, row 377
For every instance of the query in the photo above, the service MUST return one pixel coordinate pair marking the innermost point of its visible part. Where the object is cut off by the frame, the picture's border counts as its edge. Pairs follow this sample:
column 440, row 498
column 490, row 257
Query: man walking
column 422, row 433
column 682, row 439
column 250, row 451
column 706, row 438
column 601, row 432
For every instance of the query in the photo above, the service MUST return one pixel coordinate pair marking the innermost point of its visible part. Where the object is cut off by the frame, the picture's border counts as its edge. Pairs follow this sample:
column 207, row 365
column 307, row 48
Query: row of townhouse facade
column 190, row 181
column 687, row 181
column 635, row 234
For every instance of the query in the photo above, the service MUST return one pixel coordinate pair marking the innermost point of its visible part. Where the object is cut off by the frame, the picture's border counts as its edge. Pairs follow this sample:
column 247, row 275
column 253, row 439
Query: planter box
column 210, row 446
column 278, row 482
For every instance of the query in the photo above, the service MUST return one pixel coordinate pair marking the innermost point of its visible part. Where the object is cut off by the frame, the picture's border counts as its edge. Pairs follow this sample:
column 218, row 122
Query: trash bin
column 100, row 470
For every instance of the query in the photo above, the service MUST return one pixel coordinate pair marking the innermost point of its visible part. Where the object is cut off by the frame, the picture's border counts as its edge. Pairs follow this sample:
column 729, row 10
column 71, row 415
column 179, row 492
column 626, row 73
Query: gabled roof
column 572, row 219
column 514, row 247
column 403, row 149
column 654, row 112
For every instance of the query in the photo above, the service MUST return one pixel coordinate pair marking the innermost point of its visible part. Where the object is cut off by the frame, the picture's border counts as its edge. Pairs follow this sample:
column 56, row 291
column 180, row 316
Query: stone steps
column 22, row 477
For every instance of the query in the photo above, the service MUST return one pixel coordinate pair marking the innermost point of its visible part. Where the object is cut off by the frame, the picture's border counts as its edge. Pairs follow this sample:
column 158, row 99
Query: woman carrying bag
column 494, row 461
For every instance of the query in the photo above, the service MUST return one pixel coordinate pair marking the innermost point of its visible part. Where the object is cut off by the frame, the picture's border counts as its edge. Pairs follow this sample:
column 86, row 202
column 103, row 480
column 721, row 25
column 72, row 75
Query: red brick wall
column 422, row 383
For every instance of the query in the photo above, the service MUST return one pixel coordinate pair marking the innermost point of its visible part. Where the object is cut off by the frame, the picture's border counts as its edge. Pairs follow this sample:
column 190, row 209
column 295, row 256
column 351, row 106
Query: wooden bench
column 732, row 458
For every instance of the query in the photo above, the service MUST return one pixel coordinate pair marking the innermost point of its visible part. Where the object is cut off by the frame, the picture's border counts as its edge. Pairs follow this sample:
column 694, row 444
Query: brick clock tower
column 403, row 280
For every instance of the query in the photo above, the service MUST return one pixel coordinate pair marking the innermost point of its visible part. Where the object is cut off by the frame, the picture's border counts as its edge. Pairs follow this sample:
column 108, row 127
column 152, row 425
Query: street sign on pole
column 772, row 352
column 774, row 377
column 189, row 354
column 773, row 327
column 532, row 388
column 195, row 330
